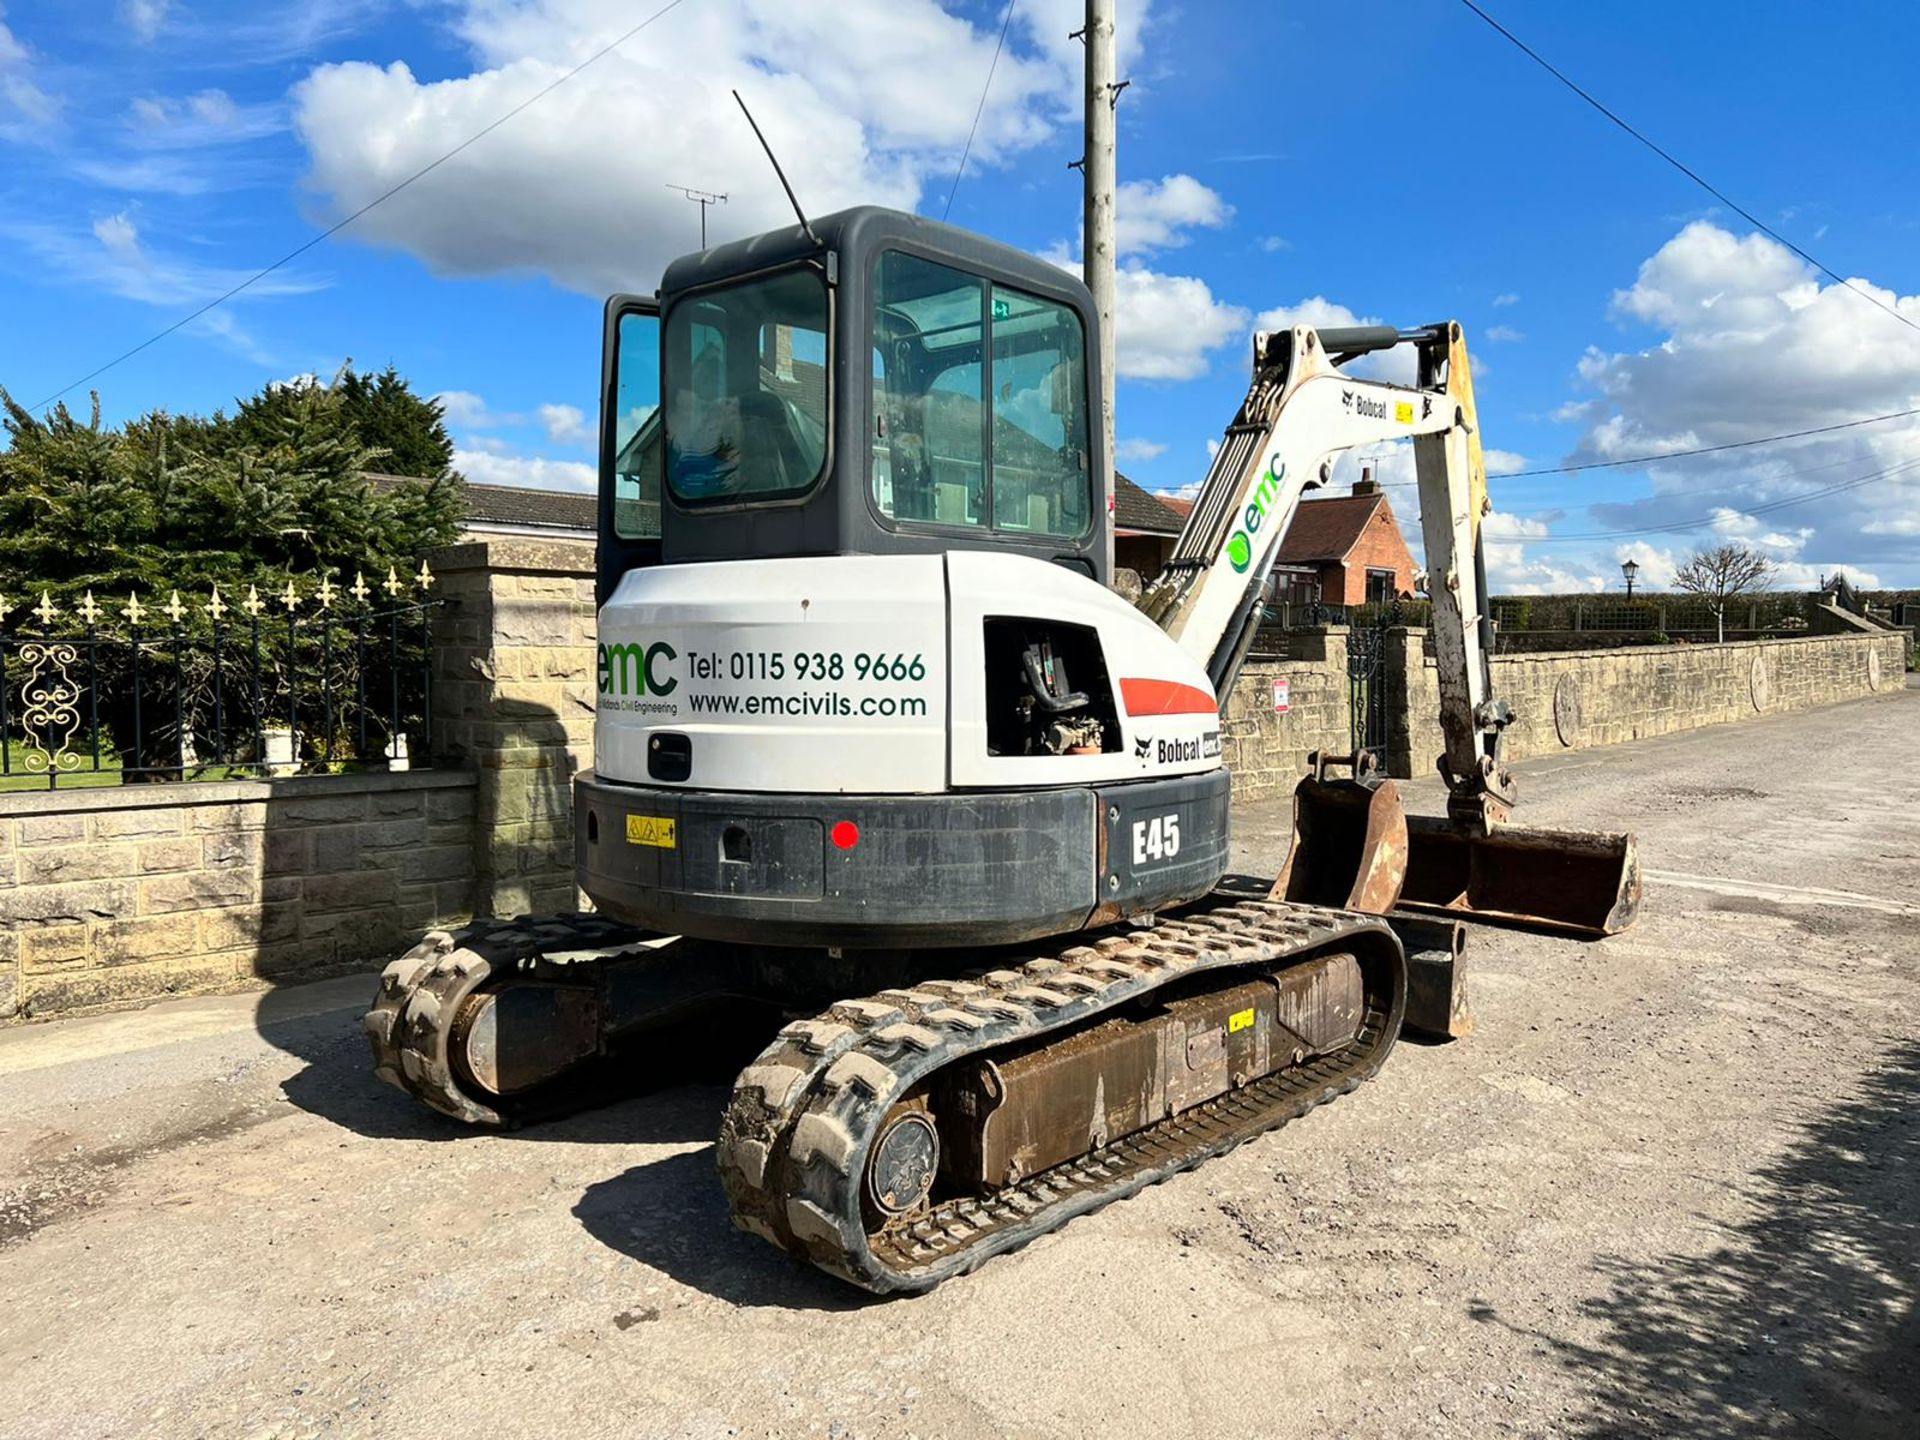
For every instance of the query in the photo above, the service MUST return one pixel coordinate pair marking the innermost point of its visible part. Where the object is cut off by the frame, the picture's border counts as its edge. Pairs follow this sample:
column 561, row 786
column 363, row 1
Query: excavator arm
column 1354, row 845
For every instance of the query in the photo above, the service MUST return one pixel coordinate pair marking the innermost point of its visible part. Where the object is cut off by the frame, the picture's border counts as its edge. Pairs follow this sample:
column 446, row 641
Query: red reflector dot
column 846, row 834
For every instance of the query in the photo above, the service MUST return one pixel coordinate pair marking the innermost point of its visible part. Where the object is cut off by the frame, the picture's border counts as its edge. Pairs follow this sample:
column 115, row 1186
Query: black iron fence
column 319, row 678
column 1367, row 683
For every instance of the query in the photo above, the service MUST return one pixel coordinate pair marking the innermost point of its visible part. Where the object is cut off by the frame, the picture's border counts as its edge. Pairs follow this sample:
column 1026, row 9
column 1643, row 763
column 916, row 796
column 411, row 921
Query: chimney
column 1366, row 484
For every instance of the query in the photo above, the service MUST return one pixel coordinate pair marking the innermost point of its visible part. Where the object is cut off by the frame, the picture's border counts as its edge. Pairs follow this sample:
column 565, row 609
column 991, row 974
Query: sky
column 1279, row 162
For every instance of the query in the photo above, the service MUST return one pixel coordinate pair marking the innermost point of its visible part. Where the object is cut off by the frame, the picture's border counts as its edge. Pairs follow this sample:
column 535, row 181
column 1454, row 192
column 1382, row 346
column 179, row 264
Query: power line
column 1691, row 494
column 379, row 199
column 979, row 109
column 1680, row 454
column 1691, row 174
column 1675, row 527
column 1711, row 449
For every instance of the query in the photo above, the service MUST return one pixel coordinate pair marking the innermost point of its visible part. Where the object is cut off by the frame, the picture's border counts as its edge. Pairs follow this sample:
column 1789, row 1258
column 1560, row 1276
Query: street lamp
column 1629, row 569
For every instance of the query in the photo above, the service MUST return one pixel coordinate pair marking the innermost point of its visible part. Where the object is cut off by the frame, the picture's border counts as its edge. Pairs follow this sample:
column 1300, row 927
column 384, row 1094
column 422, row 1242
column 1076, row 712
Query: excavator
column 885, row 768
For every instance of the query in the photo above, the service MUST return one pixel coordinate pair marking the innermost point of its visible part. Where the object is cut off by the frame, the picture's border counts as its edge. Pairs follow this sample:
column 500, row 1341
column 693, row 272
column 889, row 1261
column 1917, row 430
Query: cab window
column 638, row 459
column 929, row 392
column 1041, row 462
column 979, row 403
column 746, row 390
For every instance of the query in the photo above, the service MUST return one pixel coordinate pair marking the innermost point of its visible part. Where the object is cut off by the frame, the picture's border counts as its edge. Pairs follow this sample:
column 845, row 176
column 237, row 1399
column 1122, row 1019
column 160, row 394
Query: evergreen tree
column 386, row 415
column 181, row 502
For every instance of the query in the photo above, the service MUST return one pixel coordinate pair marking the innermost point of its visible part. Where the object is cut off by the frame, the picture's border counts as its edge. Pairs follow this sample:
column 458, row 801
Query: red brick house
column 1345, row 550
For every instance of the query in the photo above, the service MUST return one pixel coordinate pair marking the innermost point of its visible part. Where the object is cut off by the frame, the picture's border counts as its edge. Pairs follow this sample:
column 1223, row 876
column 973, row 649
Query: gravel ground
column 1670, row 1186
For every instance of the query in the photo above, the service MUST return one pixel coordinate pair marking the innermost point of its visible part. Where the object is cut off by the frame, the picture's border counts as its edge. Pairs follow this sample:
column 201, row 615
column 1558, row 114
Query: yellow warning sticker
column 1403, row 413
column 1239, row 1020
column 654, row 830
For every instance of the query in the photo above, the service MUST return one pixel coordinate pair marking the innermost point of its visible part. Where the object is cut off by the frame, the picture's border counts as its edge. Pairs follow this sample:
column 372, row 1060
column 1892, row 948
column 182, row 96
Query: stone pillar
column 1401, row 660
column 513, row 699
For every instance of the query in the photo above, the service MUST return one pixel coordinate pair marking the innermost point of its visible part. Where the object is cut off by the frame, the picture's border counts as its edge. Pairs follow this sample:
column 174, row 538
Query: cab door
column 632, row 455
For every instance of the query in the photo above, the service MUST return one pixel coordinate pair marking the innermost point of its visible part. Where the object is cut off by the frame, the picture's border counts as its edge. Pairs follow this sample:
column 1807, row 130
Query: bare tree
column 1722, row 574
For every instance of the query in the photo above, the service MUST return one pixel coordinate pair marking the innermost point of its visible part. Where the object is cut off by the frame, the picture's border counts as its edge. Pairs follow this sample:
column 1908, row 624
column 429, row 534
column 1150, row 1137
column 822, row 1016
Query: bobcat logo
column 1142, row 747
column 1346, row 401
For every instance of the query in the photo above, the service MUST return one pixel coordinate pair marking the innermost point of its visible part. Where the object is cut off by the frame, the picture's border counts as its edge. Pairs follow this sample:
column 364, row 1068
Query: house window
column 1380, row 586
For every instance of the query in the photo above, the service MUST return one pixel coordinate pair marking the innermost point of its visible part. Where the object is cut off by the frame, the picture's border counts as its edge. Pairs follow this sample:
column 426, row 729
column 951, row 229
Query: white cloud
column 1503, row 334
column 207, row 117
column 118, row 260
column 174, row 173
column 1502, row 462
column 1510, row 298
column 1273, row 244
column 489, row 467
column 467, row 411
column 144, row 18
column 565, row 424
column 1748, row 343
column 575, row 187
column 24, row 107
column 1167, row 326
column 1139, row 451
column 1151, row 215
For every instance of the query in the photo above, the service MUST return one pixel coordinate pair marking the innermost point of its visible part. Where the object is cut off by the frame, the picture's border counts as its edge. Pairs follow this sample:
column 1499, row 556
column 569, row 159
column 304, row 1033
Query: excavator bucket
column 1349, row 843
column 1576, row 882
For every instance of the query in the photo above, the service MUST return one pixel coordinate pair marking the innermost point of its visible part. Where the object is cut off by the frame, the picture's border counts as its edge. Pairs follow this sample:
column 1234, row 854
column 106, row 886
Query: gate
column 1366, row 682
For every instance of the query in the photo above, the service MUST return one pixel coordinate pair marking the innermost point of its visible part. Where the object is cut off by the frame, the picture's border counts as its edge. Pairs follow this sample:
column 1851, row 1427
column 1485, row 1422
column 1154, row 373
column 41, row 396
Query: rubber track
column 795, row 1137
column 410, row 1024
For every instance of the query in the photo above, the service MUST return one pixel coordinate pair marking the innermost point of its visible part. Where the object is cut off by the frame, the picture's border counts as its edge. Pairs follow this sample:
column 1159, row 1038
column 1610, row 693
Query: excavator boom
column 1354, row 846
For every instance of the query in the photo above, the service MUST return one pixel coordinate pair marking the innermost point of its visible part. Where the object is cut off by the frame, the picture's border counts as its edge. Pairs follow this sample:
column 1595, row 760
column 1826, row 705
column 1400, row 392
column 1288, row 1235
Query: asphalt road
column 1671, row 1186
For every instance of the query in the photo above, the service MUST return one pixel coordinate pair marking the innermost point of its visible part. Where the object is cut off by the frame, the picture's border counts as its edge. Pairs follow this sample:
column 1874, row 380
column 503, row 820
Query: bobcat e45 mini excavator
column 870, row 721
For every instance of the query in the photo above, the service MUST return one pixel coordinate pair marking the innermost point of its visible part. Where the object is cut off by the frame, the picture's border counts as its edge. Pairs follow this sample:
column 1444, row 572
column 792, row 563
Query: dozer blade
column 1349, row 845
column 1577, row 882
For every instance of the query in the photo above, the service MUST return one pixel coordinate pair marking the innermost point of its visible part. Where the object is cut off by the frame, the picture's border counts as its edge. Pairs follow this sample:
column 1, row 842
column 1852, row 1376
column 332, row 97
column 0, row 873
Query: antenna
column 792, row 199
column 702, row 198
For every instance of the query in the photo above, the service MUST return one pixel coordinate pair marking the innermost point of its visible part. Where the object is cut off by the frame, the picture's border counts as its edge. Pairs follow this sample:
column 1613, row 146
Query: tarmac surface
column 1670, row 1186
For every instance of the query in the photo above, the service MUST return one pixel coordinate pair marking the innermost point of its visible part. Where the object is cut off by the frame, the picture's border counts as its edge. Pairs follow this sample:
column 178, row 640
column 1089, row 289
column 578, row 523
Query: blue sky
column 1397, row 161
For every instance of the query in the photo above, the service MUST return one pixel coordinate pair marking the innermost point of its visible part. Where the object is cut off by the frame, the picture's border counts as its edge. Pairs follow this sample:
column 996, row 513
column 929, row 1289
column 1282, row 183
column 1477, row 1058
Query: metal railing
column 319, row 679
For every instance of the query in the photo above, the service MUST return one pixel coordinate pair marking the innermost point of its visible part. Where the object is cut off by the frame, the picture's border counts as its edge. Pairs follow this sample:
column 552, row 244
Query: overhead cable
column 377, row 200
column 1686, row 170
column 979, row 109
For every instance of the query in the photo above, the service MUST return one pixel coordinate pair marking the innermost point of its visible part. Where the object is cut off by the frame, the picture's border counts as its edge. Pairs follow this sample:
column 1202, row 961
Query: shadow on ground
column 671, row 1216
column 668, row 1214
column 1804, row 1319
column 337, row 1082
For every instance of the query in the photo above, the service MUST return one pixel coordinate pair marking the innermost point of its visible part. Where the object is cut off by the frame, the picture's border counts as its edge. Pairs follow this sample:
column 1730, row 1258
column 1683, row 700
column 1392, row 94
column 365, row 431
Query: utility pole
column 703, row 199
column 1096, row 245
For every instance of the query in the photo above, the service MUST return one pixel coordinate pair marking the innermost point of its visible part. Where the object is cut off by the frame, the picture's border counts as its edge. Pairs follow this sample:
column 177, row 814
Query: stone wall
column 1267, row 752
column 132, row 892
column 1581, row 698
column 513, row 701
column 1566, row 700
column 116, row 895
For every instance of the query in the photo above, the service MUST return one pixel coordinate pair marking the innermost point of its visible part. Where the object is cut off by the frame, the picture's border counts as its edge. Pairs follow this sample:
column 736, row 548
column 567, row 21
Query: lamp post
column 1629, row 569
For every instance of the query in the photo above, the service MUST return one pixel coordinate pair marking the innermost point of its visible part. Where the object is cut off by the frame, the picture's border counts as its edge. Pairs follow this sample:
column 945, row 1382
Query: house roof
column 1141, row 512
column 1327, row 529
column 515, row 505
column 1134, row 509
